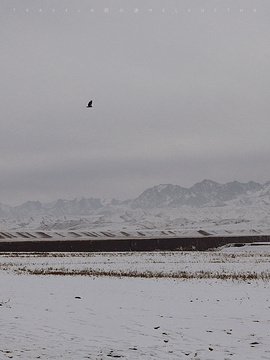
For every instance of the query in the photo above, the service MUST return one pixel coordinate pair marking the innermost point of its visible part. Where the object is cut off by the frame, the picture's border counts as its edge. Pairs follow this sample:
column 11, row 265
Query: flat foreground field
column 170, row 305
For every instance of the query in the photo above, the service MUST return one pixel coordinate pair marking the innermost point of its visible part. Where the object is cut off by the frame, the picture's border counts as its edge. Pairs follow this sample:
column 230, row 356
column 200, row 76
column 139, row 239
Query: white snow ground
column 102, row 317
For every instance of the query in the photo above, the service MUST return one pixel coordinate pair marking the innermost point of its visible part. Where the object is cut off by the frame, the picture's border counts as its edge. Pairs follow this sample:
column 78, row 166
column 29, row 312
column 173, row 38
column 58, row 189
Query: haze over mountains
column 206, row 193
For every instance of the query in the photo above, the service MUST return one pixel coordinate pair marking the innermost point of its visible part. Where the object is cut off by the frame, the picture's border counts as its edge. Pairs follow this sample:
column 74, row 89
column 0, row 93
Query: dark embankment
column 138, row 244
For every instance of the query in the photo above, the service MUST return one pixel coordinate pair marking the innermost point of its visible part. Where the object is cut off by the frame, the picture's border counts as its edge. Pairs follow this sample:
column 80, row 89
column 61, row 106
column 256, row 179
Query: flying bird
column 90, row 104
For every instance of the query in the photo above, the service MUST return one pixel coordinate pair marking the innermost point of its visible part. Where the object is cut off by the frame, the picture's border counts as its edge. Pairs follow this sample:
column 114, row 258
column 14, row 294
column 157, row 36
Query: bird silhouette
column 90, row 104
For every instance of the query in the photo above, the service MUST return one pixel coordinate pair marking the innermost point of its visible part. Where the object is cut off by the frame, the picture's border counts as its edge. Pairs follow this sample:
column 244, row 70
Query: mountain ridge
column 201, row 194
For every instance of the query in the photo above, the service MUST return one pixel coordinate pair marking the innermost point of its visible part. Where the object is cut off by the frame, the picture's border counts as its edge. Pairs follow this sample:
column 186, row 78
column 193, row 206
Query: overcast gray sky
column 177, row 97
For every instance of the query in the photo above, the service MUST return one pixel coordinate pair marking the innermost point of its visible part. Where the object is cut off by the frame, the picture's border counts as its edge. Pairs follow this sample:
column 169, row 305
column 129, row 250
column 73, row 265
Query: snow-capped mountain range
column 207, row 205
column 206, row 193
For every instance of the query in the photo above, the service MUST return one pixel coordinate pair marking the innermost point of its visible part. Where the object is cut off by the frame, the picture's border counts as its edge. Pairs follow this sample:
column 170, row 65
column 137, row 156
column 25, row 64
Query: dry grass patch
column 62, row 271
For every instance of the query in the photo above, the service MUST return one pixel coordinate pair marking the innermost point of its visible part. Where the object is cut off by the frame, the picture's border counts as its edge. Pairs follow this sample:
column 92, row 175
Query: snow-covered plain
column 160, row 305
column 181, row 222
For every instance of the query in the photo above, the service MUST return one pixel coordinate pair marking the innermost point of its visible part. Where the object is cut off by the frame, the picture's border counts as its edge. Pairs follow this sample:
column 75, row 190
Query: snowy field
column 160, row 305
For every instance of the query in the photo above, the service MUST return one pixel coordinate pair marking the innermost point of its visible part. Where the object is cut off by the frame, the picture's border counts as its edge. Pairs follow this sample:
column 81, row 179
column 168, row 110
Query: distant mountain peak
column 207, row 182
column 161, row 187
column 204, row 193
